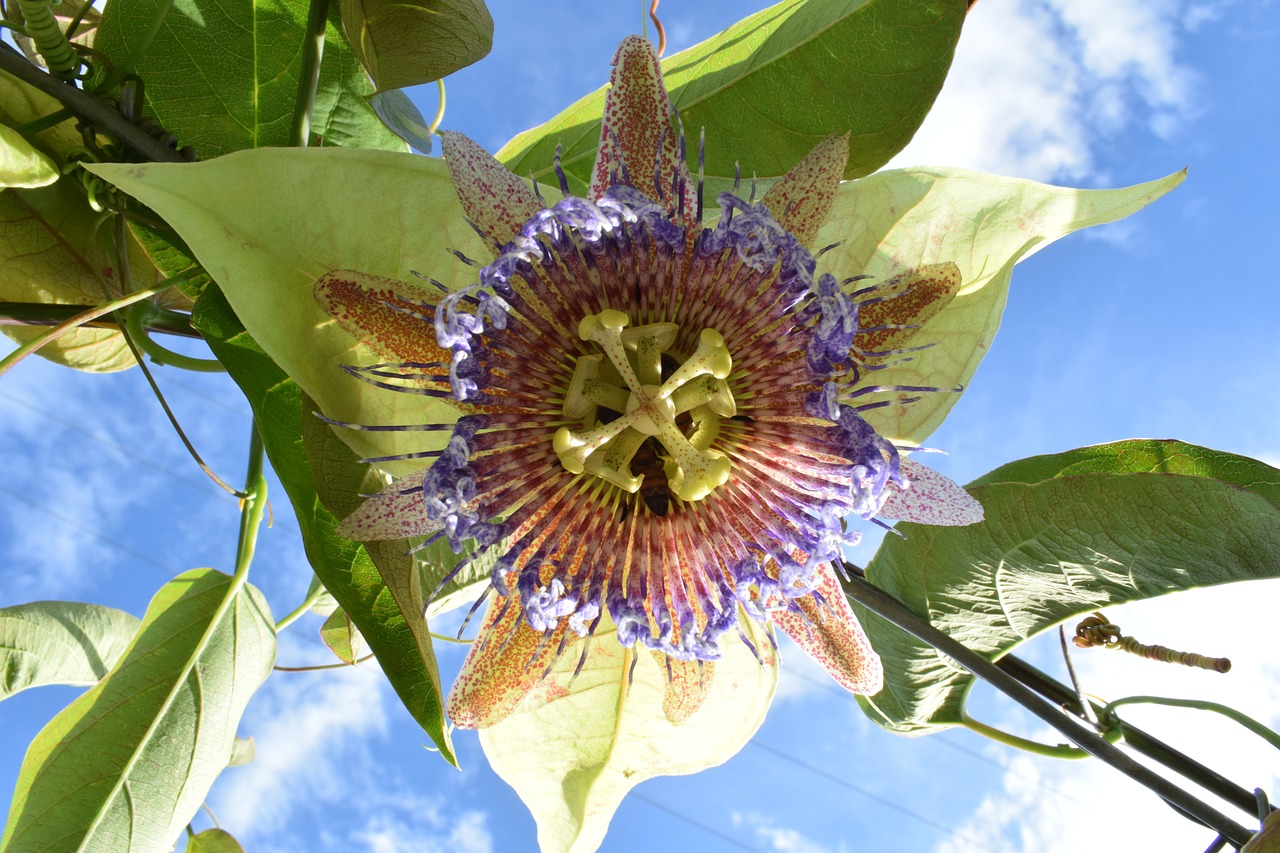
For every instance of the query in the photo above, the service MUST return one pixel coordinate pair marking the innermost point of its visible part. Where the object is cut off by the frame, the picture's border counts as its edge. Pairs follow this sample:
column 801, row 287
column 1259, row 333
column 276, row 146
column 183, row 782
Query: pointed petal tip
column 492, row 196
column 833, row 637
column 931, row 498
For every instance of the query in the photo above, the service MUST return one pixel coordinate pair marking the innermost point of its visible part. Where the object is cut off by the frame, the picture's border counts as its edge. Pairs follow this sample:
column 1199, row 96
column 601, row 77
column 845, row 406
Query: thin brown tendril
column 662, row 33
column 1096, row 631
column 356, row 662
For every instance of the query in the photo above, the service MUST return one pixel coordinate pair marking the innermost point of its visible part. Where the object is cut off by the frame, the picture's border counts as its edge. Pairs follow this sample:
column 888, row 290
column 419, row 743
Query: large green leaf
column 408, row 42
column 621, row 720
column 223, row 75
column 23, row 165
column 126, row 765
column 60, row 642
column 266, row 224
column 395, row 631
column 773, row 85
column 985, row 224
column 1064, row 535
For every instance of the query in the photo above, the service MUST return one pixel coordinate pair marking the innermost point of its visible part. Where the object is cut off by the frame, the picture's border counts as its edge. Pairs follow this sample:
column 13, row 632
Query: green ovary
column 626, row 378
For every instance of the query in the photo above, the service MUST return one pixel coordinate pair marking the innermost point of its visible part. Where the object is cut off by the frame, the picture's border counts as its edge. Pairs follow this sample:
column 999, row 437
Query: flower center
column 625, row 404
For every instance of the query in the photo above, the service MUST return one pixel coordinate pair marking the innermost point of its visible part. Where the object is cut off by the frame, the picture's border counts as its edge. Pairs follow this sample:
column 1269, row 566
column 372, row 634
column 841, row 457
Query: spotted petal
column 395, row 513
column 640, row 132
column 832, row 636
column 495, row 199
column 931, row 498
column 802, row 200
column 384, row 314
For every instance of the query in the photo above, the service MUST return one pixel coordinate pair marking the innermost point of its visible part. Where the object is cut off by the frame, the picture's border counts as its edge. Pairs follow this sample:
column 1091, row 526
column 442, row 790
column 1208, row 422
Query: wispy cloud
column 780, row 839
column 1038, row 86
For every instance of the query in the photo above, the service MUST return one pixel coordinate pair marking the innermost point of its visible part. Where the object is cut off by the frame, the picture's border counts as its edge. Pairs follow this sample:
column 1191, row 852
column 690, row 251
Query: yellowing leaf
column 267, row 223
column 985, row 224
column 573, row 758
column 21, row 164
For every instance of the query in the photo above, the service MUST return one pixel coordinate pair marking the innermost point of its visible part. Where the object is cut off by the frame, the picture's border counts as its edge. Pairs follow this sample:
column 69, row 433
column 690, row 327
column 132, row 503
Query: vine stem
column 87, row 107
column 302, row 608
column 252, row 505
column 880, row 602
column 309, row 79
column 79, row 320
column 318, row 667
column 50, row 314
column 137, row 317
column 1269, row 735
column 1034, row 747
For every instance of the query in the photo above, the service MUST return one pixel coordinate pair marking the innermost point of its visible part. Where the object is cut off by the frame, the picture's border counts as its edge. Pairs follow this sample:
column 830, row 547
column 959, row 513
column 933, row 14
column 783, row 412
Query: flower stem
column 309, row 79
column 1269, row 735
column 318, row 667
column 885, row 605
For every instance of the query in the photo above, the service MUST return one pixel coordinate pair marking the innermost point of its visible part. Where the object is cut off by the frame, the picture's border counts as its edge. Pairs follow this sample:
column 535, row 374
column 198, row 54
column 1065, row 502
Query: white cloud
column 426, row 830
column 778, row 838
column 311, row 730
column 1228, row 620
column 1038, row 85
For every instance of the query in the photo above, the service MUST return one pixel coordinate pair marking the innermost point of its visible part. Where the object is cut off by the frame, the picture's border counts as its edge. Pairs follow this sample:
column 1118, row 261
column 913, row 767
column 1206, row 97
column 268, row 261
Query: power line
column 695, row 822
column 871, row 795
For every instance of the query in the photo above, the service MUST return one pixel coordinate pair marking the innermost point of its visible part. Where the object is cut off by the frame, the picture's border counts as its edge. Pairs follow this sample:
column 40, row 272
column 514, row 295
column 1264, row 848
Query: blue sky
column 1160, row 326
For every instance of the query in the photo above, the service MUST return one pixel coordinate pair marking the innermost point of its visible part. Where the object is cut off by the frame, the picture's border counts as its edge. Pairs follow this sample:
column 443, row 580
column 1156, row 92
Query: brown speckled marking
column 498, row 674
column 686, row 689
column 802, row 200
column 932, row 498
column 835, row 641
column 494, row 198
column 361, row 303
column 913, row 298
column 637, row 114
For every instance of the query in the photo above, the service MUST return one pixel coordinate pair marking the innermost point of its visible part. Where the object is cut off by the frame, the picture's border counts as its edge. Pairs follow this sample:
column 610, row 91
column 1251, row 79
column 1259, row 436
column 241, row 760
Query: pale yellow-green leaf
column 267, row 223
column 342, row 637
column 21, row 164
column 213, row 841
column 243, row 751
column 904, row 218
column 573, row 758
column 60, row 642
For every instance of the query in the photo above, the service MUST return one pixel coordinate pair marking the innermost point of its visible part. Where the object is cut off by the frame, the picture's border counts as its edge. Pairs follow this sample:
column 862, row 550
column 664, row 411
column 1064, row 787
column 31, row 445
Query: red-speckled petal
column 931, row 498
column 833, row 637
column 637, row 116
column 391, row 514
column 688, row 684
column 505, row 668
column 493, row 196
column 909, row 299
column 802, row 200
column 375, row 310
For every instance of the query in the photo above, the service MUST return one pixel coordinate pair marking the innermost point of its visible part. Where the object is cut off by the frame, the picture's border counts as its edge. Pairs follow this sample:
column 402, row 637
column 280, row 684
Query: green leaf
column 243, row 751
column 342, row 637
column 346, row 568
column 800, row 70
column 381, row 213
column 60, row 642
column 214, row 841
column 22, row 165
column 126, row 765
column 402, row 117
column 408, row 42
column 985, row 224
column 1064, row 535
column 222, row 75
column 573, row 758
column 51, row 250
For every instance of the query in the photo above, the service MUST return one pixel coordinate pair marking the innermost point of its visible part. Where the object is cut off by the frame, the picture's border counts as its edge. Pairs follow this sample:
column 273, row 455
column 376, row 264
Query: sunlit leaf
column 985, row 224
column 801, row 69
column 377, row 212
column 346, row 568
column 213, row 841
column 573, row 758
column 21, row 164
column 342, row 637
column 408, row 42
column 222, row 75
column 243, row 751
column 51, row 250
column 127, row 764
column 60, row 642
column 1064, row 535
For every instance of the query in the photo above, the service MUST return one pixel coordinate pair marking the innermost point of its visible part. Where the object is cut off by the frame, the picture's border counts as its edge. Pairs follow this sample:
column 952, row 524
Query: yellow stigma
column 626, row 379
